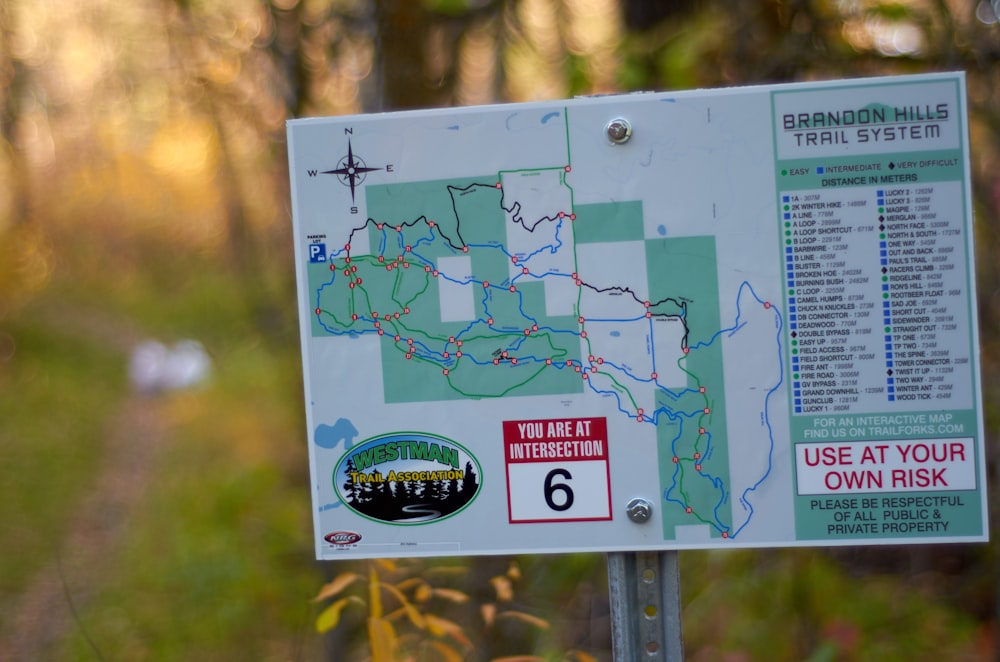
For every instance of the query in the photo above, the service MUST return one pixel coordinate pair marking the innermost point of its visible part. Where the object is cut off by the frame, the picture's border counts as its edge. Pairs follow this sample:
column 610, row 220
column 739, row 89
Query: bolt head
column 619, row 131
column 639, row 510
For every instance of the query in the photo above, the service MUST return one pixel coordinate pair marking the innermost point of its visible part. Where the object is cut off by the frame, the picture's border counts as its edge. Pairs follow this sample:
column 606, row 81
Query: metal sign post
column 645, row 593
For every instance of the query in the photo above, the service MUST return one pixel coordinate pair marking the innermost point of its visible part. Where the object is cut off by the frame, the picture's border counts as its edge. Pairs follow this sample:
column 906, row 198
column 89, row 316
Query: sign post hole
column 645, row 594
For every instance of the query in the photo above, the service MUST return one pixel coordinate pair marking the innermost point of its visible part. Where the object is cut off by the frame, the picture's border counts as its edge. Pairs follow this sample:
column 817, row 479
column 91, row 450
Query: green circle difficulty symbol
column 784, row 172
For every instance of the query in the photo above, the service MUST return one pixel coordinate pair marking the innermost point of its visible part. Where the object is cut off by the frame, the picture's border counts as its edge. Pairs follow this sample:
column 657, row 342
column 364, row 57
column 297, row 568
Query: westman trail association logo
column 407, row 478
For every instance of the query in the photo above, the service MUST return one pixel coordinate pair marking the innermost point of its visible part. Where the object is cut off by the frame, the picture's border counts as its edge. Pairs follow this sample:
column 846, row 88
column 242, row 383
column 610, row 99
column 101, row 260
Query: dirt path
column 33, row 623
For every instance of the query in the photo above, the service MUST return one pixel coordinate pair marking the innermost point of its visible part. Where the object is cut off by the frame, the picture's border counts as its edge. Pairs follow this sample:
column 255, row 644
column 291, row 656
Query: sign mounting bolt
column 619, row 131
column 639, row 510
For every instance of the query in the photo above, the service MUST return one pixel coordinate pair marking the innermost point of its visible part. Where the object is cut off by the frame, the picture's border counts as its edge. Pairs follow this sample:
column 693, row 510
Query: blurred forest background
column 145, row 196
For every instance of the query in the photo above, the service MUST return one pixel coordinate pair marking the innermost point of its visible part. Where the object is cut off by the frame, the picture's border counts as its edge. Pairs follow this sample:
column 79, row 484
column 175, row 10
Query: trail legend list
column 878, row 312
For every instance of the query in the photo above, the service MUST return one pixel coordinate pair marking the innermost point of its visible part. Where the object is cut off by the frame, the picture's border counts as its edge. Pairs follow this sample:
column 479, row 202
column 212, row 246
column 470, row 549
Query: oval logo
column 342, row 537
column 407, row 478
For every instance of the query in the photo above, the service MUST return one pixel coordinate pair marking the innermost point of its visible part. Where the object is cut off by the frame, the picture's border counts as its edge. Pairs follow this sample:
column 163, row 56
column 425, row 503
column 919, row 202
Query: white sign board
column 752, row 309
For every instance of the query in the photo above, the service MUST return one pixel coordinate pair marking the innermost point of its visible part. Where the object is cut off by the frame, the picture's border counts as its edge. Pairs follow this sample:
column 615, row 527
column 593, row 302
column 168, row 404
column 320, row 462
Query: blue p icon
column 317, row 252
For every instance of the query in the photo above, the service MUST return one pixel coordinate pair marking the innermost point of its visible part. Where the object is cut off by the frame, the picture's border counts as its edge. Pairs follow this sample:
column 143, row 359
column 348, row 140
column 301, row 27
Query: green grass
column 57, row 391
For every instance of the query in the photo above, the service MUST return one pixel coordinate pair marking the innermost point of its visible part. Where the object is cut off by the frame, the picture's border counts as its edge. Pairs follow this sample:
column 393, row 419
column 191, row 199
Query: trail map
column 749, row 311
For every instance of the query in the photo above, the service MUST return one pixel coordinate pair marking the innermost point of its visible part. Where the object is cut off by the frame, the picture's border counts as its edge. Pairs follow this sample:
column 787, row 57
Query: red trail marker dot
column 318, row 311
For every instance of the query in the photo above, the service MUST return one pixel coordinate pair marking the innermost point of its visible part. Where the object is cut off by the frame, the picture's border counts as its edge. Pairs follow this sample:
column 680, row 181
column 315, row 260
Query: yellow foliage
column 503, row 587
column 382, row 641
column 26, row 264
column 451, row 595
column 330, row 617
column 447, row 653
column 441, row 627
column 339, row 583
column 537, row 622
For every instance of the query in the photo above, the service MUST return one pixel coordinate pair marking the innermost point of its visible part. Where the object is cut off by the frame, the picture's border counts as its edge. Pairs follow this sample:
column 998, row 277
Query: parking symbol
column 317, row 252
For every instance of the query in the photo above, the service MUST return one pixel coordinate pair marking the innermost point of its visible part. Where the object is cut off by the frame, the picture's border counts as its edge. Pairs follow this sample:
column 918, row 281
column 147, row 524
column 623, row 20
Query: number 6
column 551, row 487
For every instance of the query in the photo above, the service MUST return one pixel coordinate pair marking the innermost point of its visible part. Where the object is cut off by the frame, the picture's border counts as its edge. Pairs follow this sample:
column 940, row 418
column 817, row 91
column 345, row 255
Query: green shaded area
column 505, row 347
column 608, row 222
column 683, row 275
column 887, row 515
column 800, row 174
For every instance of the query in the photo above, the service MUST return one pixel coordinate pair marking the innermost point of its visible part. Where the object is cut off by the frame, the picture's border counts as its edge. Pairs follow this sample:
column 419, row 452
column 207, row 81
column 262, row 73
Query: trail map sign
column 739, row 317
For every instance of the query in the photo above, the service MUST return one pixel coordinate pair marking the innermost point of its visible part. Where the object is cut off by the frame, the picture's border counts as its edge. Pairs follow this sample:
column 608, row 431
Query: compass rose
column 351, row 170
